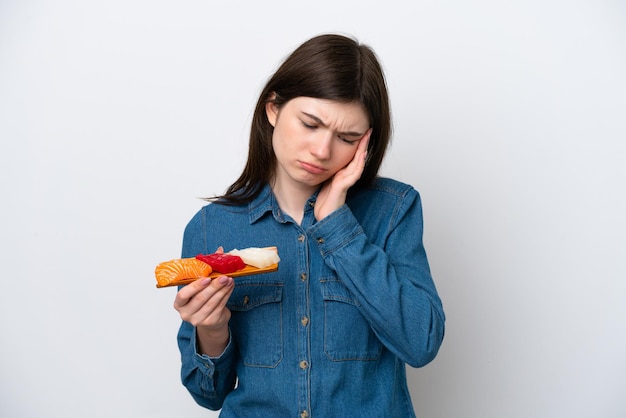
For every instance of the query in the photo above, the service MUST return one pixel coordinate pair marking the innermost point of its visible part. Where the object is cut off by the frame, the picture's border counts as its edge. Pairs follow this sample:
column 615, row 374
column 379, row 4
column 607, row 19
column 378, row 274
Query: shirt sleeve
column 208, row 379
column 391, row 279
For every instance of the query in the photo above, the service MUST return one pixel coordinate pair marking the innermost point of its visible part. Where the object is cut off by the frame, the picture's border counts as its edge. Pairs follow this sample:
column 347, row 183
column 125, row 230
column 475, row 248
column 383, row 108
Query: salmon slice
column 180, row 270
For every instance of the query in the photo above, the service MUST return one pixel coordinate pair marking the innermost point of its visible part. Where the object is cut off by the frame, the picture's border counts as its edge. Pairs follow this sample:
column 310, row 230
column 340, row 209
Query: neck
column 292, row 197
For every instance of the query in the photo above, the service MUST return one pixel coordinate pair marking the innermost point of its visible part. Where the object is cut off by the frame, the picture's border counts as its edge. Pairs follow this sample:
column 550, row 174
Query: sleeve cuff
column 336, row 230
column 212, row 363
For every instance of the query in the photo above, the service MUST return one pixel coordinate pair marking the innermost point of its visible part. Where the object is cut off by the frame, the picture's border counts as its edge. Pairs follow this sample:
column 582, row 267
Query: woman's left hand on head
column 334, row 192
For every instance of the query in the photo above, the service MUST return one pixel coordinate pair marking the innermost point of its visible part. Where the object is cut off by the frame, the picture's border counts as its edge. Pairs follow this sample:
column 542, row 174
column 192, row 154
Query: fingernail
column 224, row 280
column 205, row 281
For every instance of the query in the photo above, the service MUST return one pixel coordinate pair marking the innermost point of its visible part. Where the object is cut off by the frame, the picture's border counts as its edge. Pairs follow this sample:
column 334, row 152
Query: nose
column 320, row 147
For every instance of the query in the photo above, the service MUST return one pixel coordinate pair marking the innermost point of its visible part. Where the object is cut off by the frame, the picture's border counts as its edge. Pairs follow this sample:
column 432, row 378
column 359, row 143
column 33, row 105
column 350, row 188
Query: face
column 314, row 138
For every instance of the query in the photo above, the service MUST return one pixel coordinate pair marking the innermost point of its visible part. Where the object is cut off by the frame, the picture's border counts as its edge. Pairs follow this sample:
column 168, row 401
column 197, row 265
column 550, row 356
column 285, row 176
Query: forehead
column 333, row 113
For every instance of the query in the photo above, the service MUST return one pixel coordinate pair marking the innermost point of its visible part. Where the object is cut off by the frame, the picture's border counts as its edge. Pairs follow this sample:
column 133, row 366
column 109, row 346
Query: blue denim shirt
column 329, row 333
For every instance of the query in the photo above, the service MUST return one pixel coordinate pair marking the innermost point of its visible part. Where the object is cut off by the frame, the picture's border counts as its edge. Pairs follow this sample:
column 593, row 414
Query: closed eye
column 348, row 140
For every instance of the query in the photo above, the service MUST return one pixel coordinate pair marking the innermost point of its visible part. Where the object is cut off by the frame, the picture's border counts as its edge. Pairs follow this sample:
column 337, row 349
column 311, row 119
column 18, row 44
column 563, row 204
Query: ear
column 271, row 110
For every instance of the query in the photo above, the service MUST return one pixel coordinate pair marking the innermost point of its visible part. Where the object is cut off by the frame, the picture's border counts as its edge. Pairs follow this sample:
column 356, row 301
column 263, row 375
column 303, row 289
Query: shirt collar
column 262, row 204
column 266, row 202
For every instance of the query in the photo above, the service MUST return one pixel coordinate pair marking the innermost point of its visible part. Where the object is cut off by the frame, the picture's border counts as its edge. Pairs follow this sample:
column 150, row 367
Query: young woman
column 353, row 300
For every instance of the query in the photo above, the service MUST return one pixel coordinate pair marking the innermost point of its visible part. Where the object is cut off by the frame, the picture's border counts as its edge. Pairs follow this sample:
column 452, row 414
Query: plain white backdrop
column 510, row 119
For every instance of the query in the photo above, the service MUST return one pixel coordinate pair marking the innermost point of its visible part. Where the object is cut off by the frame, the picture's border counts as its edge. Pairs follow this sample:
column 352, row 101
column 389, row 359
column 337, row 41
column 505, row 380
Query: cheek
column 281, row 133
column 281, row 144
column 342, row 159
column 345, row 156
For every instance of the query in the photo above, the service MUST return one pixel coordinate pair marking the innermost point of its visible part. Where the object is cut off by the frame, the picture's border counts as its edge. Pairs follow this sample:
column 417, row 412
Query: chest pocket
column 347, row 335
column 257, row 322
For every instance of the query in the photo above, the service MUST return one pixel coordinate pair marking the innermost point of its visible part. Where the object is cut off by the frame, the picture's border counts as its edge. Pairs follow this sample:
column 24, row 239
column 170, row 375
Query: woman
column 353, row 301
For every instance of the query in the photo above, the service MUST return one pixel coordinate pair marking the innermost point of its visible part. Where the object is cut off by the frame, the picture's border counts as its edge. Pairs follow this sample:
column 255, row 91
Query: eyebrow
column 321, row 122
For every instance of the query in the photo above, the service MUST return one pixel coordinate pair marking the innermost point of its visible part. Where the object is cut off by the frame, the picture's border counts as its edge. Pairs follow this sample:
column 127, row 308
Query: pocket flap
column 250, row 295
column 337, row 291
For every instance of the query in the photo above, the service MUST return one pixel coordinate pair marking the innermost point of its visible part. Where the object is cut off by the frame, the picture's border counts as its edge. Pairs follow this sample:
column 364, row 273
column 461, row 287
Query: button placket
column 302, row 244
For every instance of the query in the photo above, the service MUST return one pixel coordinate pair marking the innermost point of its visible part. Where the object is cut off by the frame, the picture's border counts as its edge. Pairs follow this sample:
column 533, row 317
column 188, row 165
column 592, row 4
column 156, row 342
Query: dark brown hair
column 329, row 66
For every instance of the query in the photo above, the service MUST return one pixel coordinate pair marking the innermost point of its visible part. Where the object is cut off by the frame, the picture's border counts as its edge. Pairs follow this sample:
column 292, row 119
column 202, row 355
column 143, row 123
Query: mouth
column 312, row 168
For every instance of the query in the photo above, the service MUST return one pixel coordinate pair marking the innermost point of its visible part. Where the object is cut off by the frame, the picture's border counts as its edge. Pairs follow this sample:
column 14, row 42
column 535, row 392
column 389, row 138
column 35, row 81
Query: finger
column 363, row 147
column 207, row 288
column 211, row 310
column 216, row 306
column 354, row 169
column 228, row 285
column 186, row 293
column 211, row 287
column 355, row 166
column 364, row 142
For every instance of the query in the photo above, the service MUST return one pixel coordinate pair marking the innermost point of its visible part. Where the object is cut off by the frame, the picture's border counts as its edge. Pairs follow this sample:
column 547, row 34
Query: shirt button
column 304, row 321
column 320, row 240
column 304, row 414
column 303, row 277
column 301, row 238
column 304, row 364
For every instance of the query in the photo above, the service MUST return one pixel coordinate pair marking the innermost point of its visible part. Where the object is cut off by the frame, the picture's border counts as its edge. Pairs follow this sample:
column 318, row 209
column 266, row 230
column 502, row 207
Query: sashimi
column 257, row 257
column 168, row 272
column 222, row 262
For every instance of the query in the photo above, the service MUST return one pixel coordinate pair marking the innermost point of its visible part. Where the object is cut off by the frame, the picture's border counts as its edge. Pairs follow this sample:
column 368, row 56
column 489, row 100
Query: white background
column 510, row 119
